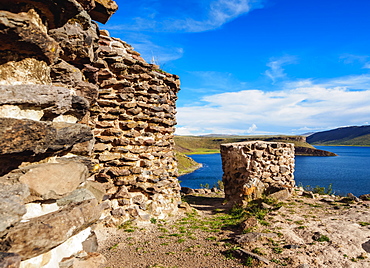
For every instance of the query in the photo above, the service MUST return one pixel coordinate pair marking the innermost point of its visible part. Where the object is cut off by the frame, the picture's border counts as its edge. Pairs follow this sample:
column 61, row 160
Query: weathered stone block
column 25, row 36
column 39, row 235
column 104, row 10
column 50, row 99
column 25, row 71
column 53, row 180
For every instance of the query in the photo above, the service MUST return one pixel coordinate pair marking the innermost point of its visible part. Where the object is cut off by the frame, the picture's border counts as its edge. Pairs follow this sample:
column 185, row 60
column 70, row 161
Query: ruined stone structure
column 86, row 133
column 254, row 168
column 134, row 125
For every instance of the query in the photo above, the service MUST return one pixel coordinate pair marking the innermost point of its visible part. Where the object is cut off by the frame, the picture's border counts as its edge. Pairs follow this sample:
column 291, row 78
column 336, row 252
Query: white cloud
column 252, row 129
column 307, row 106
column 276, row 70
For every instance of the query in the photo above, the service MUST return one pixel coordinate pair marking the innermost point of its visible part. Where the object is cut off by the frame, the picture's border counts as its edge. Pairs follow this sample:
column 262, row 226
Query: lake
column 349, row 172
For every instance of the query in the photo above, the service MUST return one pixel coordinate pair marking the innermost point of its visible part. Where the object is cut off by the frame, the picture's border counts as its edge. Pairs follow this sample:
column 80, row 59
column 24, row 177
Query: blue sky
column 252, row 67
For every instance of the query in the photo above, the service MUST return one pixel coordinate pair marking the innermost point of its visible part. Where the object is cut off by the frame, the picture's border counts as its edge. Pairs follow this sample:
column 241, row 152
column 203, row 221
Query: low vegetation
column 209, row 228
column 186, row 164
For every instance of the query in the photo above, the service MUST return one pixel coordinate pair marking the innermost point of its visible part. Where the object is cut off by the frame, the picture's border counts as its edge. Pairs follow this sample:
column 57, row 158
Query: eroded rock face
column 78, row 39
column 41, row 234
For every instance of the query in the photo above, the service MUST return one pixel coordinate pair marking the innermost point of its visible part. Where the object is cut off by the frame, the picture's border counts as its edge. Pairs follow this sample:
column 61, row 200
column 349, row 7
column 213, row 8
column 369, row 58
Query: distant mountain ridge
column 354, row 135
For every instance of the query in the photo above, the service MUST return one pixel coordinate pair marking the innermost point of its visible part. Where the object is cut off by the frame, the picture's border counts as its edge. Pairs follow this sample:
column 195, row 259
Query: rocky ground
column 306, row 230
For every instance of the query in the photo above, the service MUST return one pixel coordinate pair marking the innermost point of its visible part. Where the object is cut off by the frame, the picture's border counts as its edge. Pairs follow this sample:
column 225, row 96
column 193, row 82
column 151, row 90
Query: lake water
column 348, row 172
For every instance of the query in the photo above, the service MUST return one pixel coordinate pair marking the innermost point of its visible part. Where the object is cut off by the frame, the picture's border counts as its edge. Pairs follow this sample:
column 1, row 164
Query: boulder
column 39, row 235
column 103, row 10
column 282, row 194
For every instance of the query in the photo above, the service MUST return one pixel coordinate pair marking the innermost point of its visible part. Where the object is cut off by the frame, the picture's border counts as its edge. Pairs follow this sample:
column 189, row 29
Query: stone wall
column 134, row 121
column 254, row 168
column 86, row 133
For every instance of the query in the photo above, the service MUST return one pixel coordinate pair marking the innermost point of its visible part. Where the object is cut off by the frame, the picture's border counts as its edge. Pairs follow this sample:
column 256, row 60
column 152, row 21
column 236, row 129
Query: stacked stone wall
column 86, row 133
column 254, row 168
column 135, row 118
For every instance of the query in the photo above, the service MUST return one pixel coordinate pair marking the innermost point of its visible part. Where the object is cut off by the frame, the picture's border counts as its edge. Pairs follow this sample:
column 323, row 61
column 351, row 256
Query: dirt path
column 187, row 241
column 300, row 232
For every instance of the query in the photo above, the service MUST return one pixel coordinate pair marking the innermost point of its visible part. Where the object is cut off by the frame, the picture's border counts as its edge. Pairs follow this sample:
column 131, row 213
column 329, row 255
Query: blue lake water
column 349, row 172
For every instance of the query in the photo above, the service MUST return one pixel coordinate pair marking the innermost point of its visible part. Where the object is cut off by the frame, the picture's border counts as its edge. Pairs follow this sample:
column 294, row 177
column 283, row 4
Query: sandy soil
column 303, row 232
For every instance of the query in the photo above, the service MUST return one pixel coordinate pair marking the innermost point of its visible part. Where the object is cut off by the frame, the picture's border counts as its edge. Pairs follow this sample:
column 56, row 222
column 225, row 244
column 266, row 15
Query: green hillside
column 185, row 164
column 211, row 144
column 355, row 136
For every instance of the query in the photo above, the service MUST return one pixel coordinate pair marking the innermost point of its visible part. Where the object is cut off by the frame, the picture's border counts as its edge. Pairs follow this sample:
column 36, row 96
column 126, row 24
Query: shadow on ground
column 207, row 204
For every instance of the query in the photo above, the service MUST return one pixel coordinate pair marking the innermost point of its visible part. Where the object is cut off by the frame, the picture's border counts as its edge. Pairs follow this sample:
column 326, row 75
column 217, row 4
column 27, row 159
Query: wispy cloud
column 150, row 50
column 276, row 70
column 178, row 17
column 352, row 59
column 308, row 105
column 218, row 13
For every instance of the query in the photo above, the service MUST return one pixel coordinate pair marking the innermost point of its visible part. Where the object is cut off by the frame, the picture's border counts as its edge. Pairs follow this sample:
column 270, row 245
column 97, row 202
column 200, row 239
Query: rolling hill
column 355, row 136
column 211, row 144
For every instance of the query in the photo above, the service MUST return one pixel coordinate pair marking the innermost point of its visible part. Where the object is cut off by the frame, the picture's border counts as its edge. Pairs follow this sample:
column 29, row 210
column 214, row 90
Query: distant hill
column 211, row 144
column 355, row 135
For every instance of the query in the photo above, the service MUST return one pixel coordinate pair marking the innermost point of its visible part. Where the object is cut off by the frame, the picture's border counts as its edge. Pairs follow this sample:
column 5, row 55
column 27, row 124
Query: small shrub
column 277, row 250
column 257, row 251
column 113, row 247
column 248, row 261
column 322, row 238
column 204, row 186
